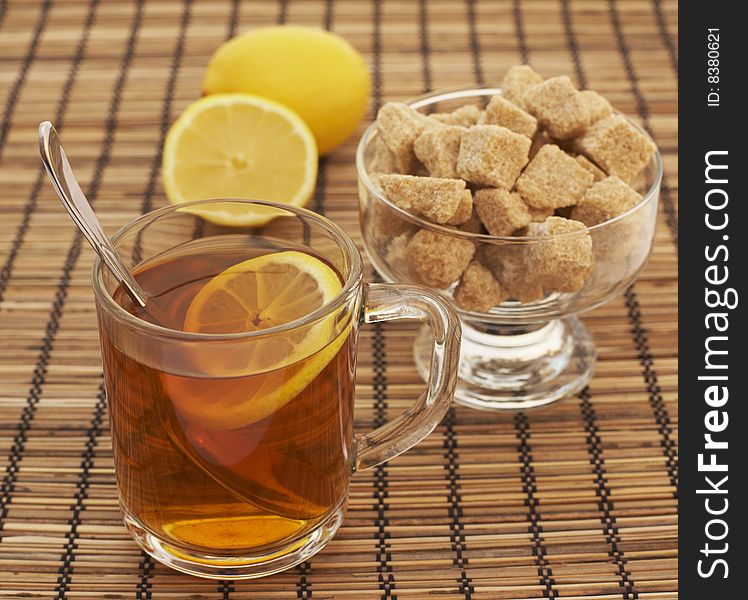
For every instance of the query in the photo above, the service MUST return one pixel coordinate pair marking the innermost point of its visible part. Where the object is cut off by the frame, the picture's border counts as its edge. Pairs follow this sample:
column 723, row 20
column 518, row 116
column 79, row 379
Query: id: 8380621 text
column 712, row 66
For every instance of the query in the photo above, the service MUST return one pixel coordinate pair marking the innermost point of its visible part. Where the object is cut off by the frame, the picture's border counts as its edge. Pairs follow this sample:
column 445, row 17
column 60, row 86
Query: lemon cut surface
column 239, row 146
column 267, row 373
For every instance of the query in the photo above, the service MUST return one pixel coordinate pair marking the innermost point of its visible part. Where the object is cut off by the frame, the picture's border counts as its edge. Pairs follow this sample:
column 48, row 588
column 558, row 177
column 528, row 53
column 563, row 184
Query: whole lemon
column 314, row 72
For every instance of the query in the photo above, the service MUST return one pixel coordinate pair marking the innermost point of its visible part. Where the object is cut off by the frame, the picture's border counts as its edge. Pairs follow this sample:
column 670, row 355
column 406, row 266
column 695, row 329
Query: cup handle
column 386, row 302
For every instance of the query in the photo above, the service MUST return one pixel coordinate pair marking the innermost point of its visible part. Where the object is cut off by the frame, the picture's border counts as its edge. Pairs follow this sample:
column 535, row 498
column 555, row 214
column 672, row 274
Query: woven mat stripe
column 233, row 23
column 594, row 441
column 28, row 59
column 234, row 16
column 3, row 11
column 522, row 421
column 282, row 12
column 144, row 585
column 656, row 400
column 642, row 107
column 303, row 585
column 5, row 126
column 475, row 49
column 519, row 29
column 303, row 589
column 165, row 121
column 231, row 27
column 94, row 430
column 18, row 448
column 66, row 570
column 147, row 565
column 385, row 574
column 225, row 587
column 603, row 492
column 667, row 39
column 451, row 455
column 522, row 424
column 641, row 340
column 530, row 488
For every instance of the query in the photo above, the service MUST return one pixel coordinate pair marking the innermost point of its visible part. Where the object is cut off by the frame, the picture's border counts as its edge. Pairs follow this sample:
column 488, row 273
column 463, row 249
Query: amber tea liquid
column 205, row 487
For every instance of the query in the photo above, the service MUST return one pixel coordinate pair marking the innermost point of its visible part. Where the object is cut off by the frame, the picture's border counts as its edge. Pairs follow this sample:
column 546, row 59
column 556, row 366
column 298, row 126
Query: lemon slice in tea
column 239, row 146
column 267, row 373
column 233, row 533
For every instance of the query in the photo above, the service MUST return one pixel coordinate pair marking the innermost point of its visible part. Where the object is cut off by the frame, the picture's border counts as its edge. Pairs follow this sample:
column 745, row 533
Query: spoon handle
column 74, row 200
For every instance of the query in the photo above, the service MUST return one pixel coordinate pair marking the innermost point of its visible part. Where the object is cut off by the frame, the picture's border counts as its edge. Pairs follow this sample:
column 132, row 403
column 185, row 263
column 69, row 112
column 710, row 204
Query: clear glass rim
column 343, row 241
column 473, row 92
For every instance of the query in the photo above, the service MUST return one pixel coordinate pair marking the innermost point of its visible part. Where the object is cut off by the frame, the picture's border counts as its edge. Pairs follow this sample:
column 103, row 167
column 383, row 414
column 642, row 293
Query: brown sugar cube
column 473, row 224
column 464, row 209
column 438, row 260
column 596, row 171
column 464, row 116
column 400, row 125
column 508, row 265
column 432, row 198
column 617, row 146
column 618, row 244
column 561, row 262
column 478, row 291
column 492, row 155
column 380, row 159
column 382, row 222
column 559, row 107
column 437, row 149
column 519, row 285
column 623, row 244
column 597, row 105
column 553, row 179
column 501, row 111
column 501, row 211
column 604, row 200
column 516, row 82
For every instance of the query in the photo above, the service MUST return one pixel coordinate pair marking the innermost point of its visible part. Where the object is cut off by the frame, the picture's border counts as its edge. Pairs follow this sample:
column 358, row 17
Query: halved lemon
column 239, row 146
column 258, row 377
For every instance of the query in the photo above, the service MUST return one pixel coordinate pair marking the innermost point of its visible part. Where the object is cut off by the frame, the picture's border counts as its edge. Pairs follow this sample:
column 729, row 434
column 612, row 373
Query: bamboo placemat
column 577, row 500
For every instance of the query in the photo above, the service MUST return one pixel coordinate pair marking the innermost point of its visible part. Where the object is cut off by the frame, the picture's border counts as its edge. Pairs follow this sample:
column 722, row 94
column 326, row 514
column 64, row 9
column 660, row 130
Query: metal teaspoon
column 74, row 200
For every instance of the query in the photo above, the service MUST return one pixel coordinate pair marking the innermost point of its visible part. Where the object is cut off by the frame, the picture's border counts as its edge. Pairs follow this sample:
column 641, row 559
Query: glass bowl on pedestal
column 517, row 354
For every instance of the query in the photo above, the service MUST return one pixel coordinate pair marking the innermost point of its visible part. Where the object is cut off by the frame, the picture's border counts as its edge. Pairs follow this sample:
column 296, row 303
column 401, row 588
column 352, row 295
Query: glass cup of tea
column 231, row 396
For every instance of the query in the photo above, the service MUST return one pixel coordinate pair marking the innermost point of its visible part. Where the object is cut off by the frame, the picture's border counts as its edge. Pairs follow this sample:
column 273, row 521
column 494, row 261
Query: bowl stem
column 518, row 367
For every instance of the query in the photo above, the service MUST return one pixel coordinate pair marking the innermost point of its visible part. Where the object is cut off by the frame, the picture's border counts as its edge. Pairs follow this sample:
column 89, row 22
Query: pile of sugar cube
column 541, row 159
